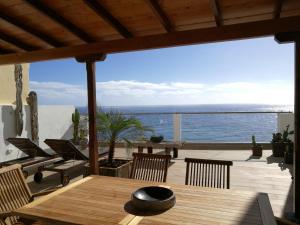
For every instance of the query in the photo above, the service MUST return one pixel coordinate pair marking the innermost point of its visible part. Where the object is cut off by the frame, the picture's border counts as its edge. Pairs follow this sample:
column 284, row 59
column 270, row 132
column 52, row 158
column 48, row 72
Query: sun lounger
column 36, row 156
column 73, row 159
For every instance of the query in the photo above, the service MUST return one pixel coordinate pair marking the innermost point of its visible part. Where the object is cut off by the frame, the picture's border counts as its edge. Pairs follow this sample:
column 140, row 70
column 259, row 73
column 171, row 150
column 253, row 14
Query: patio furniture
column 281, row 221
column 106, row 200
column 151, row 167
column 208, row 173
column 74, row 159
column 15, row 193
column 168, row 146
column 36, row 156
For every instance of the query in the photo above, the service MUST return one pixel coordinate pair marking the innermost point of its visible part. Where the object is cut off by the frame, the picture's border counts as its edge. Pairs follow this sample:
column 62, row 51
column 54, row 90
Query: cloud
column 130, row 92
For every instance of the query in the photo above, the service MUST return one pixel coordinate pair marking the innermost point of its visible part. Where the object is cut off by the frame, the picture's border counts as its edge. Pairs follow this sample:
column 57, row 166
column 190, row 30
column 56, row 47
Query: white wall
column 54, row 122
column 283, row 120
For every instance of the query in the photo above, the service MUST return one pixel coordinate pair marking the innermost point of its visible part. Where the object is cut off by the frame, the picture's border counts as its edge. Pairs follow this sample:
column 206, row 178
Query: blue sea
column 210, row 127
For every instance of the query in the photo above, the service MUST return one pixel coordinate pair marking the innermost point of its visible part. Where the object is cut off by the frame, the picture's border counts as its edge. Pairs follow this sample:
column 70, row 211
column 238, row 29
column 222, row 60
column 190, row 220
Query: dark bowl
column 153, row 198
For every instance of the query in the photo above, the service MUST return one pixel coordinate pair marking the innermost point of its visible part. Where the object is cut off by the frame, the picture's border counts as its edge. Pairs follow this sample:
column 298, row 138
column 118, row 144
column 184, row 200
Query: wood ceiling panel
column 239, row 11
column 18, row 33
column 290, row 8
column 189, row 13
column 5, row 45
column 135, row 15
column 77, row 12
column 24, row 12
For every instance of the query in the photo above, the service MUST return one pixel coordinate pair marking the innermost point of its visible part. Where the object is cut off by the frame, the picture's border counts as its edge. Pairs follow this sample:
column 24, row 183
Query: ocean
column 209, row 127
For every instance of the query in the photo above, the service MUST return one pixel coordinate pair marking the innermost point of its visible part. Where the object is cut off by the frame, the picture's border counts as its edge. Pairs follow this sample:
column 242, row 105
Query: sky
column 254, row 71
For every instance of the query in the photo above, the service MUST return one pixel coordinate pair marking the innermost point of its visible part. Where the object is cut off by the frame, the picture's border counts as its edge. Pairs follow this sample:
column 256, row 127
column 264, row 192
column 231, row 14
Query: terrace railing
column 206, row 127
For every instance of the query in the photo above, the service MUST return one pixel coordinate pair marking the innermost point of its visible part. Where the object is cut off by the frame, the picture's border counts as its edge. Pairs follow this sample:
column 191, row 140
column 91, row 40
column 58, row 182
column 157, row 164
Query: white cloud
column 145, row 93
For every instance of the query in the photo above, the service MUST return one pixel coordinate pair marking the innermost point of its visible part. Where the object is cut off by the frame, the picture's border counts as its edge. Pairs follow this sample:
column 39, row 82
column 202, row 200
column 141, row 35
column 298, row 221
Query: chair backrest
column 14, row 191
column 151, row 167
column 28, row 147
column 208, row 173
column 65, row 149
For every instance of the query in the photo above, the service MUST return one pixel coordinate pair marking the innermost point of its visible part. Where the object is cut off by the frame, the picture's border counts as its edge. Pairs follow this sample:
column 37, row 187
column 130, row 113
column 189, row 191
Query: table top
column 106, row 200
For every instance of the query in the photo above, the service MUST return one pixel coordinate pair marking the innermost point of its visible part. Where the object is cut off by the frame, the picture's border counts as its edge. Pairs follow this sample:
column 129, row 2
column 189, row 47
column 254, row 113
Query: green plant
column 75, row 121
column 286, row 134
column 114, row 126
column 282, row 137
column 254, row 144
column 156, row 139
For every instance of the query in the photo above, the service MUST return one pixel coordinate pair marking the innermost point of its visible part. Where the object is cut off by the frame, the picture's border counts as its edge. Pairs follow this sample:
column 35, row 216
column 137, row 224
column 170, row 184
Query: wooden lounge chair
column 208, row 173
column 151, row 167
column 73, row 159
column 36, row 156
column 14, row 194
column 281, row 221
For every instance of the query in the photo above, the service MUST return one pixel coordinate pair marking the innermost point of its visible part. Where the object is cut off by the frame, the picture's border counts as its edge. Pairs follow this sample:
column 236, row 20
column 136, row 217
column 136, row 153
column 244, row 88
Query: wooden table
column 167, row 145
column 105, row 200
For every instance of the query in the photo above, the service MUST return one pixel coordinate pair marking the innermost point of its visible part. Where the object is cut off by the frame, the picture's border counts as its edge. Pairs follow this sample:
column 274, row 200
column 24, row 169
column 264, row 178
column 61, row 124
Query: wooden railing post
column 92, row 111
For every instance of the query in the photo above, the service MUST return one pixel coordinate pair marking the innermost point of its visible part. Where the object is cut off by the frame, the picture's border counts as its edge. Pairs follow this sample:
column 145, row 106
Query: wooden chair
column 151, row 167
column 14, row 193
column 208, row 173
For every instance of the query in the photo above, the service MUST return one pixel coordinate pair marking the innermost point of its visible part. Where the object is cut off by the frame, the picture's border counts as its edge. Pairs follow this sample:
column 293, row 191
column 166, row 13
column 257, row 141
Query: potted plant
column 256, row 148
column 113, row 127
column 280, row 141
column 289, row 153
column 156, row 139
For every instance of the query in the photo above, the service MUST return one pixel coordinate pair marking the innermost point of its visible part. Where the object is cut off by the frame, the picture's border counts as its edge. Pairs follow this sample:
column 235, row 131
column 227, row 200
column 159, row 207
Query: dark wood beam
column 287, row 37
column 217, row 12
column 41, row 7
column 277, row 9
column 17, row 42
column 6, row 51
column 92, row 107
column 32, row 31
column 180, row 38
column 161, row 15
column 297, row 132
column 101, row 11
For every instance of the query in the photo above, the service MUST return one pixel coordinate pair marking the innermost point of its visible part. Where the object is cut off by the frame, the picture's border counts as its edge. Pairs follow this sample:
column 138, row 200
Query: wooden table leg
column 150, row 150
column 175, row 152
column 140, row 149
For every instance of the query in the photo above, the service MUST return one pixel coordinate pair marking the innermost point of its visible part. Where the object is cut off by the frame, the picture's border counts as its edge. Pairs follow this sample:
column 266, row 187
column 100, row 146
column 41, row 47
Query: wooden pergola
column 36, row 30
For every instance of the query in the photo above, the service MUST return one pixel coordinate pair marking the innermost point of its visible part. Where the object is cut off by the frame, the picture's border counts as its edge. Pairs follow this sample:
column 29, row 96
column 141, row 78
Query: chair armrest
column 5, row 214
column 42, row 193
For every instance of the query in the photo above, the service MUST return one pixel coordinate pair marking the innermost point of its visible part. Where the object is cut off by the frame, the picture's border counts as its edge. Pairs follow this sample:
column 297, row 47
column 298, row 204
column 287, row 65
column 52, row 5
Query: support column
column 92, row 111
column 297, row 132
column 93, row 143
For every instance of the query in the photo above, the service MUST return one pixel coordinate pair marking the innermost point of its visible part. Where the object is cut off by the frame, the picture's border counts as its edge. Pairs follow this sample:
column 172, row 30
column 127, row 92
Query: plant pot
column 257, row 151
column 288, row 158
column 121, row 171
column 278, row 149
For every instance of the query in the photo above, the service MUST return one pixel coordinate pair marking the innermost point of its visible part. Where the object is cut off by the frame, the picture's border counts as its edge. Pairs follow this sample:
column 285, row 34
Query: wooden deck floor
column 266, row 174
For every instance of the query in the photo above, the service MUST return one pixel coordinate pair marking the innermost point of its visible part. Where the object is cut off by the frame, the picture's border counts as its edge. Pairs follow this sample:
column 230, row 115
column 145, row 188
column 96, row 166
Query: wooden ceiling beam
column 161, row 15
column 32, row 31
column 287, row 37
column 277, row 9
column 17, row 42
column 179, row 38
column 217, row 12
column 41, row 7
column 6, row 51
column 101, row 11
